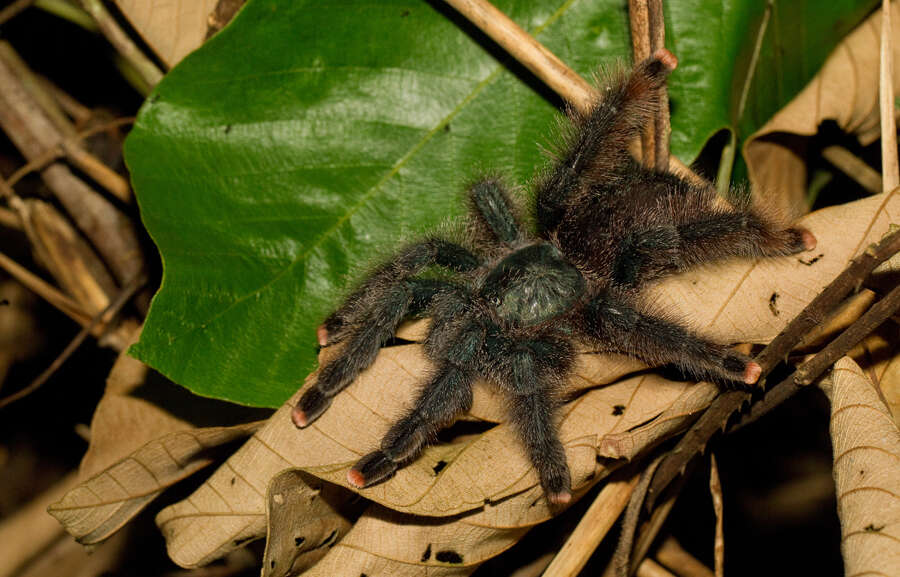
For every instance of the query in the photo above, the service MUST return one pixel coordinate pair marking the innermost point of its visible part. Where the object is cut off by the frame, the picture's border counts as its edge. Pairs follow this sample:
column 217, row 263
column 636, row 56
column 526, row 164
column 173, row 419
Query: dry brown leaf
column 385, row 542
column 305, row 520
column 101, row 505
column 845, row 90
column 171, row 28
column 489, row 472
column 879, row 357
column 866, row 445
column 752, row 301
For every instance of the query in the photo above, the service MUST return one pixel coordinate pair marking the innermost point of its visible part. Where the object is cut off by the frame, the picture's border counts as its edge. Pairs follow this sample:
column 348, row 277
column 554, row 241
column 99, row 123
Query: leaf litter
column 485, row 481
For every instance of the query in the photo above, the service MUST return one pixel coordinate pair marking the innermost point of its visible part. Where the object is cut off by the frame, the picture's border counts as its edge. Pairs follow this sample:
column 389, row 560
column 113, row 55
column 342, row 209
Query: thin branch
column 104, row 316
column 542, row 63
column 527, row 51
column 661, row 126
column 715, row 489
column 44, row 290
column 889, row 162
column 622, row 555
column 811, row 370
column 13, row 10
column 122, row 43
column 854, row 167
column 650, row 568
column 639, row 22
column 716, row 417
column 672, row 555
column 594, row 525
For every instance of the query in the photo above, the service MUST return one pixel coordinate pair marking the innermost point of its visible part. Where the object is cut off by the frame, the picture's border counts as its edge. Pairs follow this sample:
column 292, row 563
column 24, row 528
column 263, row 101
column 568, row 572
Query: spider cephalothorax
column 606, row 226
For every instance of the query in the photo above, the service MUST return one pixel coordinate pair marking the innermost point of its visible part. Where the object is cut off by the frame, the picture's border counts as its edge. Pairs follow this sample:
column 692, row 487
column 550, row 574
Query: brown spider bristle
column 299, row 417
column 752, row 372
column 322, row 335
column 356, row 478
column 669, row 60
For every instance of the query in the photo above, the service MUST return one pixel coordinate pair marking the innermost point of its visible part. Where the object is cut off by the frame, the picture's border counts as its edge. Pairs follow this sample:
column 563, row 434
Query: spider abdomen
column 532, row 285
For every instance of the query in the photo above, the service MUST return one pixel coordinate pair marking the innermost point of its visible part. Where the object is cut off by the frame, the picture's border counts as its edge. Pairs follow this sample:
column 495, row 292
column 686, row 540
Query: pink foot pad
column 752, row 372
column 356, row 478
column 668, row 59
column 322, row 335
column 299, row 417
column 809, row 239
column 561, row 498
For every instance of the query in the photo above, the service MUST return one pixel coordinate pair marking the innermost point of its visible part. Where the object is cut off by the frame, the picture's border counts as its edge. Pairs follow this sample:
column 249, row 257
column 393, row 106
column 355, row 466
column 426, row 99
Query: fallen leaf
column 101, row 505
column 477, row 473
column 171, row 29
column 731, row 301
column 845, row 90
column 385, row 542
column 305, row 518
column 866, row 444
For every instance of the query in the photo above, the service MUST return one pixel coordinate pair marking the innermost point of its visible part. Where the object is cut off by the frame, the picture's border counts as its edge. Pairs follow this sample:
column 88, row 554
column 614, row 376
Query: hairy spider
column 606, row 226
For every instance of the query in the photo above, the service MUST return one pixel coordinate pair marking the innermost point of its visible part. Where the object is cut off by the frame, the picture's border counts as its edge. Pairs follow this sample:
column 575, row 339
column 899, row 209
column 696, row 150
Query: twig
column 715, row 489
column 622, row 556
column 808, row 372
column 593, row 527
column 542, row 63
column 104, row 316
column 673, row 556
column 122, row 43
column 45, row 290
column 527, row 51
column 650, row 568
column 889, row 162
column 716, row 416
column 661, row 126
column 854, row 167
column 50, row 155
column 13, row 10
column 78, row 111
column 109, row 230
column 9, row 219
column 639, row 22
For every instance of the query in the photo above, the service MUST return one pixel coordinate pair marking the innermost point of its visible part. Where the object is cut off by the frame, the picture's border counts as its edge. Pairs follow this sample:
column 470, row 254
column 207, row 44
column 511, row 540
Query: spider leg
column 386, row 309
column 532, row 373
column 596, row 147
column 684, row 229
column 358, row 307
column 492, row 212
column 622, row 328
column 440, row 401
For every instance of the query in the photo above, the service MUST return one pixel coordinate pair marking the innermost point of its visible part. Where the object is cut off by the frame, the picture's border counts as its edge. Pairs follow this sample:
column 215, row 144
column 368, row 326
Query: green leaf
column 308, row 137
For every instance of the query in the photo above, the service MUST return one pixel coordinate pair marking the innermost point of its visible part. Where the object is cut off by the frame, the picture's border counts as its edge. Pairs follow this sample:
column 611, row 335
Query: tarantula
column 606, row 226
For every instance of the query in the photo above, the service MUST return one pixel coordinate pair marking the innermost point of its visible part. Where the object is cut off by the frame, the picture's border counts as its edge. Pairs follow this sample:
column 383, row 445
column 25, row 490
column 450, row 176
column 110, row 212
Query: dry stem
column 672, row 555
column 542, row 63
column 104, row 317
column 150, row 73
column 889, row 162
column 593, row 527
column 715, row 489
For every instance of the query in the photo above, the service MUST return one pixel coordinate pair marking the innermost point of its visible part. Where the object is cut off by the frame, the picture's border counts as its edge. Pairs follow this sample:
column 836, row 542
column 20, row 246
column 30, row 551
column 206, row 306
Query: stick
column 593, row 527
column 889, row 163
column 808, row 372
column 661, row 126
column 122, row 43
column 715, row 489
column 639, row 21
column 104, row 316
column 542, row 63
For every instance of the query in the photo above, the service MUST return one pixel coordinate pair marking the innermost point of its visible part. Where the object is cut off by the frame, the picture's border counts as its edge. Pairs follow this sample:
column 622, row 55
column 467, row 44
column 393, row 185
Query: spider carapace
column 515, row 301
